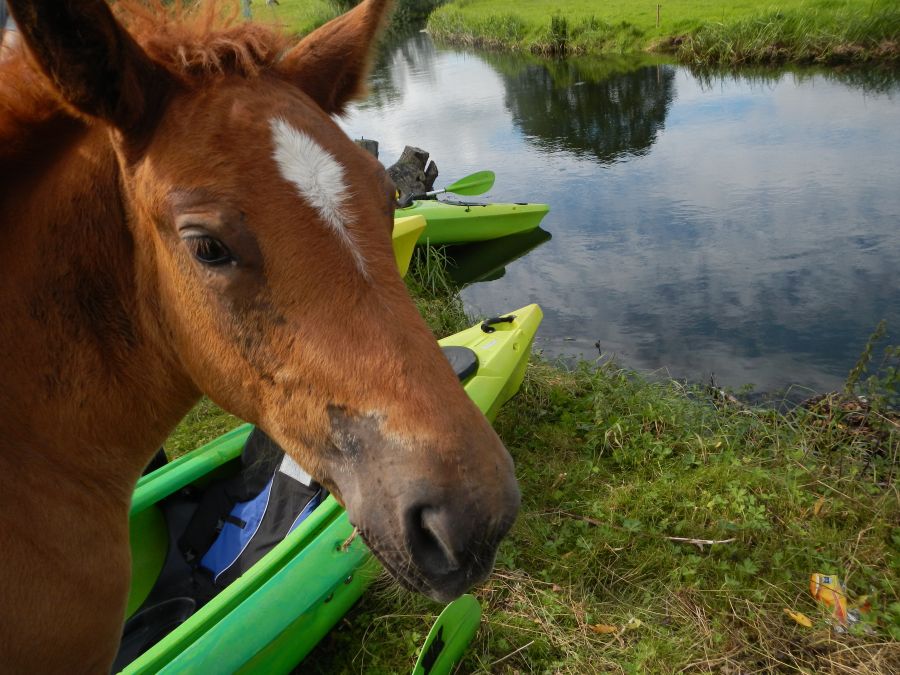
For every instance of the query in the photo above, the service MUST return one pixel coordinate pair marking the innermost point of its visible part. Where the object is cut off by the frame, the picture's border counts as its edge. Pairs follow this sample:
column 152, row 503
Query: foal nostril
column 430, row 533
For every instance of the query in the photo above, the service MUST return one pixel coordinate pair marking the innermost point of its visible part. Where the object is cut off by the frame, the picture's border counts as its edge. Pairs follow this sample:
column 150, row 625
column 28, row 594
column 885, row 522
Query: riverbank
column 700, row 32
column 623, row 480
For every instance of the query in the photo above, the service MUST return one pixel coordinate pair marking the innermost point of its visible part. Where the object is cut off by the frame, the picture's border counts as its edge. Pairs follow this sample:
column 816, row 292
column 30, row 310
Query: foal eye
column 208, row 250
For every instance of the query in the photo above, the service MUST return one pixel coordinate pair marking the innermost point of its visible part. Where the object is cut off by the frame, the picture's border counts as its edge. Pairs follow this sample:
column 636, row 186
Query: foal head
column 262, row 239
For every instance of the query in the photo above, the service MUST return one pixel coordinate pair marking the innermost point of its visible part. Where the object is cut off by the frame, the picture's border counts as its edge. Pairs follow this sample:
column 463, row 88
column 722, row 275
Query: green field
column 701, row 31
column 303, row 16
column 619, row 474
column 295, row 16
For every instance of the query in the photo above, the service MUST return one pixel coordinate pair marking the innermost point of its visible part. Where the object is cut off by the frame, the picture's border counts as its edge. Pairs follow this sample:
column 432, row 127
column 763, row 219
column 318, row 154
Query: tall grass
column 845, row 35
column 815, row 31
column 560, row 35
column 436, row 296
column 493, row 31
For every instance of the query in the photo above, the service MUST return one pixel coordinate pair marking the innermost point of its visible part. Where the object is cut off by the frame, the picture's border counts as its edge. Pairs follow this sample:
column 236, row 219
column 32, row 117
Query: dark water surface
column 745, row 226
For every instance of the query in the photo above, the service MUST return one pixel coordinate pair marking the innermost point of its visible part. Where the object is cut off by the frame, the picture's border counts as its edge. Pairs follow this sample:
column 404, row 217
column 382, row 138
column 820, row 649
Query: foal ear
column 94, row 63
column 331, row 64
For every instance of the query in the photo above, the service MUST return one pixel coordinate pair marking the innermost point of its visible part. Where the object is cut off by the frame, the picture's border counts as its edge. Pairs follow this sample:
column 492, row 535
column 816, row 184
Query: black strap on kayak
column 488, row 325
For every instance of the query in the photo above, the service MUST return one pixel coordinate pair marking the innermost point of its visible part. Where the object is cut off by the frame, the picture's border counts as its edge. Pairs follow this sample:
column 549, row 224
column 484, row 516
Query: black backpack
column 241, row 519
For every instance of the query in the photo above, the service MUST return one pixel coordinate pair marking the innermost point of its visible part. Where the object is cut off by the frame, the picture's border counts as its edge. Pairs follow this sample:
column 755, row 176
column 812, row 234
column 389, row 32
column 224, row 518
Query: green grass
column 700, row 31
column 612, row 466
column 300, row 17
column 201, row 425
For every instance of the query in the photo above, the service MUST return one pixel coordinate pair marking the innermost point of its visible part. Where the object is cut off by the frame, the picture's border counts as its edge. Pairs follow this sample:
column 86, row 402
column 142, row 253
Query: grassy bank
column 296, row 16
column 303, row 16
column 697, row 31
column 619, row 475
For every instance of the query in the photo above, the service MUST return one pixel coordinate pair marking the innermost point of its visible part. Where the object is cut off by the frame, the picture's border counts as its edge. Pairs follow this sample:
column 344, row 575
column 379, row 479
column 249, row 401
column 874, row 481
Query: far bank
column 700, row 32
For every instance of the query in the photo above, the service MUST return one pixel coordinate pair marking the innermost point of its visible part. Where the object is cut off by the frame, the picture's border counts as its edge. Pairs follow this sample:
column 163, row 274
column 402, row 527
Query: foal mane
column 194, row 40
column 199, row 40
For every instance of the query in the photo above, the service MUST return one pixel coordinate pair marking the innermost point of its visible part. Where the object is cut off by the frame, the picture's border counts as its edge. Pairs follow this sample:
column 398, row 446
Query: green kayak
column 270, row 618
column 455, row 222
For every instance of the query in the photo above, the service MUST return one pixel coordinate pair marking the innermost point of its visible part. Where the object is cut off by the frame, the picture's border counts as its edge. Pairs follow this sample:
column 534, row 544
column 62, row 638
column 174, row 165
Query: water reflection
column 487, row 261
column 880, row 80
column 744, row 225
column 574, row 105
column 399, row 58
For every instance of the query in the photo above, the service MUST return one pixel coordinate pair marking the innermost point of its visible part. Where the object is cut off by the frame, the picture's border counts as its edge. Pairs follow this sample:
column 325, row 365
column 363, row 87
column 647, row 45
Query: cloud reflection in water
column 745, row 226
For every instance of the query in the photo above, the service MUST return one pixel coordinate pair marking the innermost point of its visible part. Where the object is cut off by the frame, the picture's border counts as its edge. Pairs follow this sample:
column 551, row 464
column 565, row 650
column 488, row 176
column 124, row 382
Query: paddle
column 449, row 637
column 476, row 184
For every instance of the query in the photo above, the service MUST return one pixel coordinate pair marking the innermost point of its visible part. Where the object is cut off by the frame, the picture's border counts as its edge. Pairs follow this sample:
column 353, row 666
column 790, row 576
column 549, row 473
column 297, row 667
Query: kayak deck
column 451, row 222
column 299, row 590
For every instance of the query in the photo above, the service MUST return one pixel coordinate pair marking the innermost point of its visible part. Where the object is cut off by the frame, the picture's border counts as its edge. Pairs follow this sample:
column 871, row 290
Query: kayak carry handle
column 487, row 325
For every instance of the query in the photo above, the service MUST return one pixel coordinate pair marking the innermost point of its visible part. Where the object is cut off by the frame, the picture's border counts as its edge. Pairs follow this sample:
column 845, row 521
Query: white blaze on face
column 319, row 178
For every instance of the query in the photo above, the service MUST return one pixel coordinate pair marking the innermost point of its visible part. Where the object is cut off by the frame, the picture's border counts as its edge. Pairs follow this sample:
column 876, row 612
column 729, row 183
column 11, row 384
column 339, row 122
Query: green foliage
column 413, row 12
column 435, row 295
column 558, row 37
column 882, row 386
column 406, row 12
column 702, row 32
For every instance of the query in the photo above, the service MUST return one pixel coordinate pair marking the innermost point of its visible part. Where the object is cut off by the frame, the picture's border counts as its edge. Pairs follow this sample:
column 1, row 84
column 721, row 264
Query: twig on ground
column 700, row 543
column 525, row 646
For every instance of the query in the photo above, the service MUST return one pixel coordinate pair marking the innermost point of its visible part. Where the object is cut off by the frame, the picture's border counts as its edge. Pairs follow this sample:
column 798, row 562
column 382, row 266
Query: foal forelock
column 319, row 179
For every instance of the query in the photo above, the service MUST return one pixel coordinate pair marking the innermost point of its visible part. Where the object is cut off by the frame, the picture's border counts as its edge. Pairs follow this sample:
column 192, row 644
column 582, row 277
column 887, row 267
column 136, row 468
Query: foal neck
column 91, row 385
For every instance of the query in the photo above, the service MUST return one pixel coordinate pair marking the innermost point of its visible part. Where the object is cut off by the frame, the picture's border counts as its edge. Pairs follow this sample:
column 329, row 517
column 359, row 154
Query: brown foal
column 180, row 215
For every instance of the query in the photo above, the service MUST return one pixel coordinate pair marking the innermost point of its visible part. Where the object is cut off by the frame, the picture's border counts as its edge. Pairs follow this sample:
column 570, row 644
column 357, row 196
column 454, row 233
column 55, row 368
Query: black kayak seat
column 151, row 625
column 463, row 361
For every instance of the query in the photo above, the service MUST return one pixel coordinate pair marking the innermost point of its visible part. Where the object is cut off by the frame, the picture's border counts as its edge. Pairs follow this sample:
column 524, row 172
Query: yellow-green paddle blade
column 449, row 637
column 476, row 184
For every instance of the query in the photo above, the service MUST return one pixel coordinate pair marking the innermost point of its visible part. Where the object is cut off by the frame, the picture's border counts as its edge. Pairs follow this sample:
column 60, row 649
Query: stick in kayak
column 476, row 184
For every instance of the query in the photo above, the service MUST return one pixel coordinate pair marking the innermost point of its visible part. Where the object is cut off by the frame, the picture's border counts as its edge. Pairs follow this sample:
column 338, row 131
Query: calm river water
column 745, row 226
